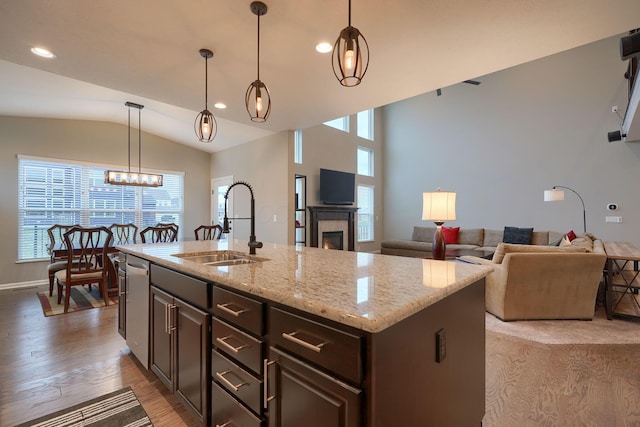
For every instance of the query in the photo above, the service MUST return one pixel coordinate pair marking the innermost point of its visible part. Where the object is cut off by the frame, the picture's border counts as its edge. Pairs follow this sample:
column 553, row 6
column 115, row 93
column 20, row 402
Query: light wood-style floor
column 51, row 363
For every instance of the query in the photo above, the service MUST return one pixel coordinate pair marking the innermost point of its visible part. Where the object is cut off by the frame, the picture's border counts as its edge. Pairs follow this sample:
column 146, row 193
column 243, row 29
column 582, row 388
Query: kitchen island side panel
column 408, row 387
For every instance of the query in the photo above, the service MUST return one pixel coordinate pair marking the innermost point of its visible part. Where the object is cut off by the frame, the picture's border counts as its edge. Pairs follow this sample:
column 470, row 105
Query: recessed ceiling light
column 324, row 47
column 220, row 105
column 40, row 51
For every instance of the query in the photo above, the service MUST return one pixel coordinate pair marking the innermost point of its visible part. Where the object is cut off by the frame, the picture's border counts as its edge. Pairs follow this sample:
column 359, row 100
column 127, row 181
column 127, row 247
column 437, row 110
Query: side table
column 622, row 283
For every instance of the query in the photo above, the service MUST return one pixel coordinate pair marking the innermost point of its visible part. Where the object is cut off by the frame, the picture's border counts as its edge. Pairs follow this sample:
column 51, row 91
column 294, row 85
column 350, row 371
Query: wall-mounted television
column 337, row 188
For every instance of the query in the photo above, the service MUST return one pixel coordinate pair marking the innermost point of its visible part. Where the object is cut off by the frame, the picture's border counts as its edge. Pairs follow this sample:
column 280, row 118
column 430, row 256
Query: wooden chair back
column 56, row 239
column 208, row 232
column 88, row 248
column 159, row 234
column 124, row 234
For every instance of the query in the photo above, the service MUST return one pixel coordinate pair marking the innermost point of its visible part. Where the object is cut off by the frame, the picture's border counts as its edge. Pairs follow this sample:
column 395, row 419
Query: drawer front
column 335, row 350
column 237, row 345
column 236, row 381
column 184, row 287
column 225, row 411
column 244, row 312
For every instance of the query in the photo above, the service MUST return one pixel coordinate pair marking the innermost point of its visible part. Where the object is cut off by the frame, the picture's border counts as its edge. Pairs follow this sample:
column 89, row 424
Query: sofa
column 471, row 238
column 544, row 282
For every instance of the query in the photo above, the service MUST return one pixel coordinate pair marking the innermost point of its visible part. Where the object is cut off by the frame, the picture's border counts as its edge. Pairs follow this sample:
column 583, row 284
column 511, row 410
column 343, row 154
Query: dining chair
column 87, row 262
column 124, row 234
column 55, row 247
column 169, row 224
column 208, row 232
column 159, row 233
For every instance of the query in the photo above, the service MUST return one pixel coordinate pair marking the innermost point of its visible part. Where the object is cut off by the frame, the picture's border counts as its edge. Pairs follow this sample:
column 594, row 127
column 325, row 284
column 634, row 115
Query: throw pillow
column 571, row 235
column 517, row 235
column 450, row 235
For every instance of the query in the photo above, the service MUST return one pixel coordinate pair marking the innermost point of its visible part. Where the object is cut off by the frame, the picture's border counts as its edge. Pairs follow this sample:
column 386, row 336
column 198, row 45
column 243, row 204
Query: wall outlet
column 441, row 345
column 616, row 219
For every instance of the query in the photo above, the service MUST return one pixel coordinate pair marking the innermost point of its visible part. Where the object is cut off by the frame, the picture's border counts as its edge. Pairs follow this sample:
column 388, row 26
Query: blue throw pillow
column 517, row 235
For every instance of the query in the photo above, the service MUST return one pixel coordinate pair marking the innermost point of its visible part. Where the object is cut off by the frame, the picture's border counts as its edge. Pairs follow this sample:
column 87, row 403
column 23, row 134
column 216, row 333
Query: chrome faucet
column 253, row 244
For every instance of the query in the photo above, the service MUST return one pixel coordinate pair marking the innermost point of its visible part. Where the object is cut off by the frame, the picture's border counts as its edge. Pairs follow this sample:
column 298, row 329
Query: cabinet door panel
column 304, row 396
column 122, row 304
column 161, row 345
column 192, row 332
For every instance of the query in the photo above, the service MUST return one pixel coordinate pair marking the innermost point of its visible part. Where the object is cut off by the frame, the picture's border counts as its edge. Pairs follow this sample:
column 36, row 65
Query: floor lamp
column 555, row 195
column 439, row 207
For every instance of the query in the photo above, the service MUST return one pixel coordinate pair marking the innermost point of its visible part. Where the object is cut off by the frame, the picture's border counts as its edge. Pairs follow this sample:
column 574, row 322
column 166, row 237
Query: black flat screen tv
column 337, row 188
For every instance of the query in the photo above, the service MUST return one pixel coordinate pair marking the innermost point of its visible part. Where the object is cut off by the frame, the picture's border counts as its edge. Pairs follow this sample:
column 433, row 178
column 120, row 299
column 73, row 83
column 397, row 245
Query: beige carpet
column 596, row 331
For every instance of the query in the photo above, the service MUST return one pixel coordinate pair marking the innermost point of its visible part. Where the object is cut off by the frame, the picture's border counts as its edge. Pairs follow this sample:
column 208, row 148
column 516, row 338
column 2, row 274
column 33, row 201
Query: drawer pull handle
column 227, row 424
column 224, row 342
column 292, row 337
column 221, row 376
column 265, row 383
column 225, row 308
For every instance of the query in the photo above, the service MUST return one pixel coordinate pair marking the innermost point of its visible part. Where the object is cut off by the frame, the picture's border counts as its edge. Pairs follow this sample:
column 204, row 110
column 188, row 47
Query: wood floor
column 52, row 363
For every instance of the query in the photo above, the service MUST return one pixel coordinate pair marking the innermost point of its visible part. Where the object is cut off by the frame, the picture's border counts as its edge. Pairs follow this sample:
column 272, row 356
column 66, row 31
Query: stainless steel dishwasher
column 137, row 308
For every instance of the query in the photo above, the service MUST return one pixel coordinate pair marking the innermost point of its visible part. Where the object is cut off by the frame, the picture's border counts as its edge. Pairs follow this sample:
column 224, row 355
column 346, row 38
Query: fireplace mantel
column 332, row 213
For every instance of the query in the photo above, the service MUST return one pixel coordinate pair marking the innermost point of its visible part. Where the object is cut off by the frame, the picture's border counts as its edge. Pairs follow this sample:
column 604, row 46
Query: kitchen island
column 307, row 336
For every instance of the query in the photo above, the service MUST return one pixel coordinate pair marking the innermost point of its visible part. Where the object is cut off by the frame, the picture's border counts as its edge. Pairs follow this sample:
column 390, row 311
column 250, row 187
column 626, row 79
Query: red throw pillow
column 571, row 235
column 450, row 235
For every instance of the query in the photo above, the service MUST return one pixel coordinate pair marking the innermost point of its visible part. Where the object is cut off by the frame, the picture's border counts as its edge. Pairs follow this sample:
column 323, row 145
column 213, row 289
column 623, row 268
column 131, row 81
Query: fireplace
column 337, row 219
column 332, row 240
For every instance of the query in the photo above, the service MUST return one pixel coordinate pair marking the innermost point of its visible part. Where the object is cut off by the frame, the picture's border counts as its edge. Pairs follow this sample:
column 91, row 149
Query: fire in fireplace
column 332, row 240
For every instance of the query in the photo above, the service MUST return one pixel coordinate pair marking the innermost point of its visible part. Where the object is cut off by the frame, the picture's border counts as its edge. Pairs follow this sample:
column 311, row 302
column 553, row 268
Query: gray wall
column 329, row 148
column 264, row 165
column 501, row 144
column 89, row 141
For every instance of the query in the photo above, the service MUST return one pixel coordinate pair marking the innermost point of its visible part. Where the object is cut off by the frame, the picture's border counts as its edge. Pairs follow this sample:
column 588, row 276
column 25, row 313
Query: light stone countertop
column 367, row 291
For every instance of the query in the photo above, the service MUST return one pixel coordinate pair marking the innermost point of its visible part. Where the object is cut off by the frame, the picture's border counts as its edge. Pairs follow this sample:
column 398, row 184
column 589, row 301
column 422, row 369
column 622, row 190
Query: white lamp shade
column 439, row 206
column 553, row 195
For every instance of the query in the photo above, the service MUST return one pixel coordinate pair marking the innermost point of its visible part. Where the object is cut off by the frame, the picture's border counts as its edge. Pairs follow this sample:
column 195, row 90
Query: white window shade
column 60, row 192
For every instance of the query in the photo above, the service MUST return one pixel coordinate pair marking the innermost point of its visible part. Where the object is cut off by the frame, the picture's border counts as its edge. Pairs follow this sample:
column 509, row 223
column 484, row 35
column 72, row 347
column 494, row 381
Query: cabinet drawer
column 237, row 345
column 225, row 411
column 239, row 310
column 236, row 381
column 335, row 350
column 184, row 287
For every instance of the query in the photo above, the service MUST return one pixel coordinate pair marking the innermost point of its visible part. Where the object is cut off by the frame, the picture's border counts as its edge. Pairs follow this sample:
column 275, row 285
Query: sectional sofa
column 470, row 238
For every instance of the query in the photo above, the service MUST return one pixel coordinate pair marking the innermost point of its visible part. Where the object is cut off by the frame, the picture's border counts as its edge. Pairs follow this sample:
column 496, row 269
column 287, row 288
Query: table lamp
column 439, row 206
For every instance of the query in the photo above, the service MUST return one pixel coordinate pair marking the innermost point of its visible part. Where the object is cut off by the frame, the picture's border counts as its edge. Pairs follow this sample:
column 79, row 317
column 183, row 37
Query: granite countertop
column 367, row 291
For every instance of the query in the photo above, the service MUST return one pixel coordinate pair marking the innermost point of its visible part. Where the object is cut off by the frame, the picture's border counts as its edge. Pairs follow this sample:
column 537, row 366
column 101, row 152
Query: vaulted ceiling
column 112, row 51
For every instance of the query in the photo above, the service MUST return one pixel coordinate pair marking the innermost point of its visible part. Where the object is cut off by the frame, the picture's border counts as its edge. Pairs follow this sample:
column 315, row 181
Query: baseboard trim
column 21, row 285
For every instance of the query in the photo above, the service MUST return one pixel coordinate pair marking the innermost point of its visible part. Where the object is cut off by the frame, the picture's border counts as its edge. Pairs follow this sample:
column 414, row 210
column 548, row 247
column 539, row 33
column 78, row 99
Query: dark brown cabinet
column 179, row 346
column 300, row 395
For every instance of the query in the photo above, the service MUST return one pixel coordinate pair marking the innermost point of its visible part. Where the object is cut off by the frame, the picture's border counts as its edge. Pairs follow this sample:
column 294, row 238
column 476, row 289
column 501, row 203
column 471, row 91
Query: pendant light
column 205, row 125
column 350, row 57
column 258, row 99
column 133, row 178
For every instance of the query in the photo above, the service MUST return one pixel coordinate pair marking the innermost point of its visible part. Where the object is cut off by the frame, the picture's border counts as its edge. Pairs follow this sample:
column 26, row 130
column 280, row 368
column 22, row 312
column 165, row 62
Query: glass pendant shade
column 205, row 124
column 258, row 101
column 350, row 58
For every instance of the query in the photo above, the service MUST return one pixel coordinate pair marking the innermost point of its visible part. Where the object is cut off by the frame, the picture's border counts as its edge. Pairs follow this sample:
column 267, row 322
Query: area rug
column 596, row 331
column 116, row 409
column 81, row 299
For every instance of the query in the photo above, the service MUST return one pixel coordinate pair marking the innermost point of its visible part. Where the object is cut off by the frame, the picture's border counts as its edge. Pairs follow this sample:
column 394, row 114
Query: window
column 365, row 124
column 365, row 161
column 297, row 146
column 341, row 124
column 365, row 213
column 57, row 192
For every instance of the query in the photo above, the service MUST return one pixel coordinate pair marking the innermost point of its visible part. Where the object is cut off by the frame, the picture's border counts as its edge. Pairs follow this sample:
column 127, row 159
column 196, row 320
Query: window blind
column 62, row 192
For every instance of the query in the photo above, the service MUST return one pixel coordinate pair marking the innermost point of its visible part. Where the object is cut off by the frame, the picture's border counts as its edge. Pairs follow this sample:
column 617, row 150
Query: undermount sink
column 221, row 258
